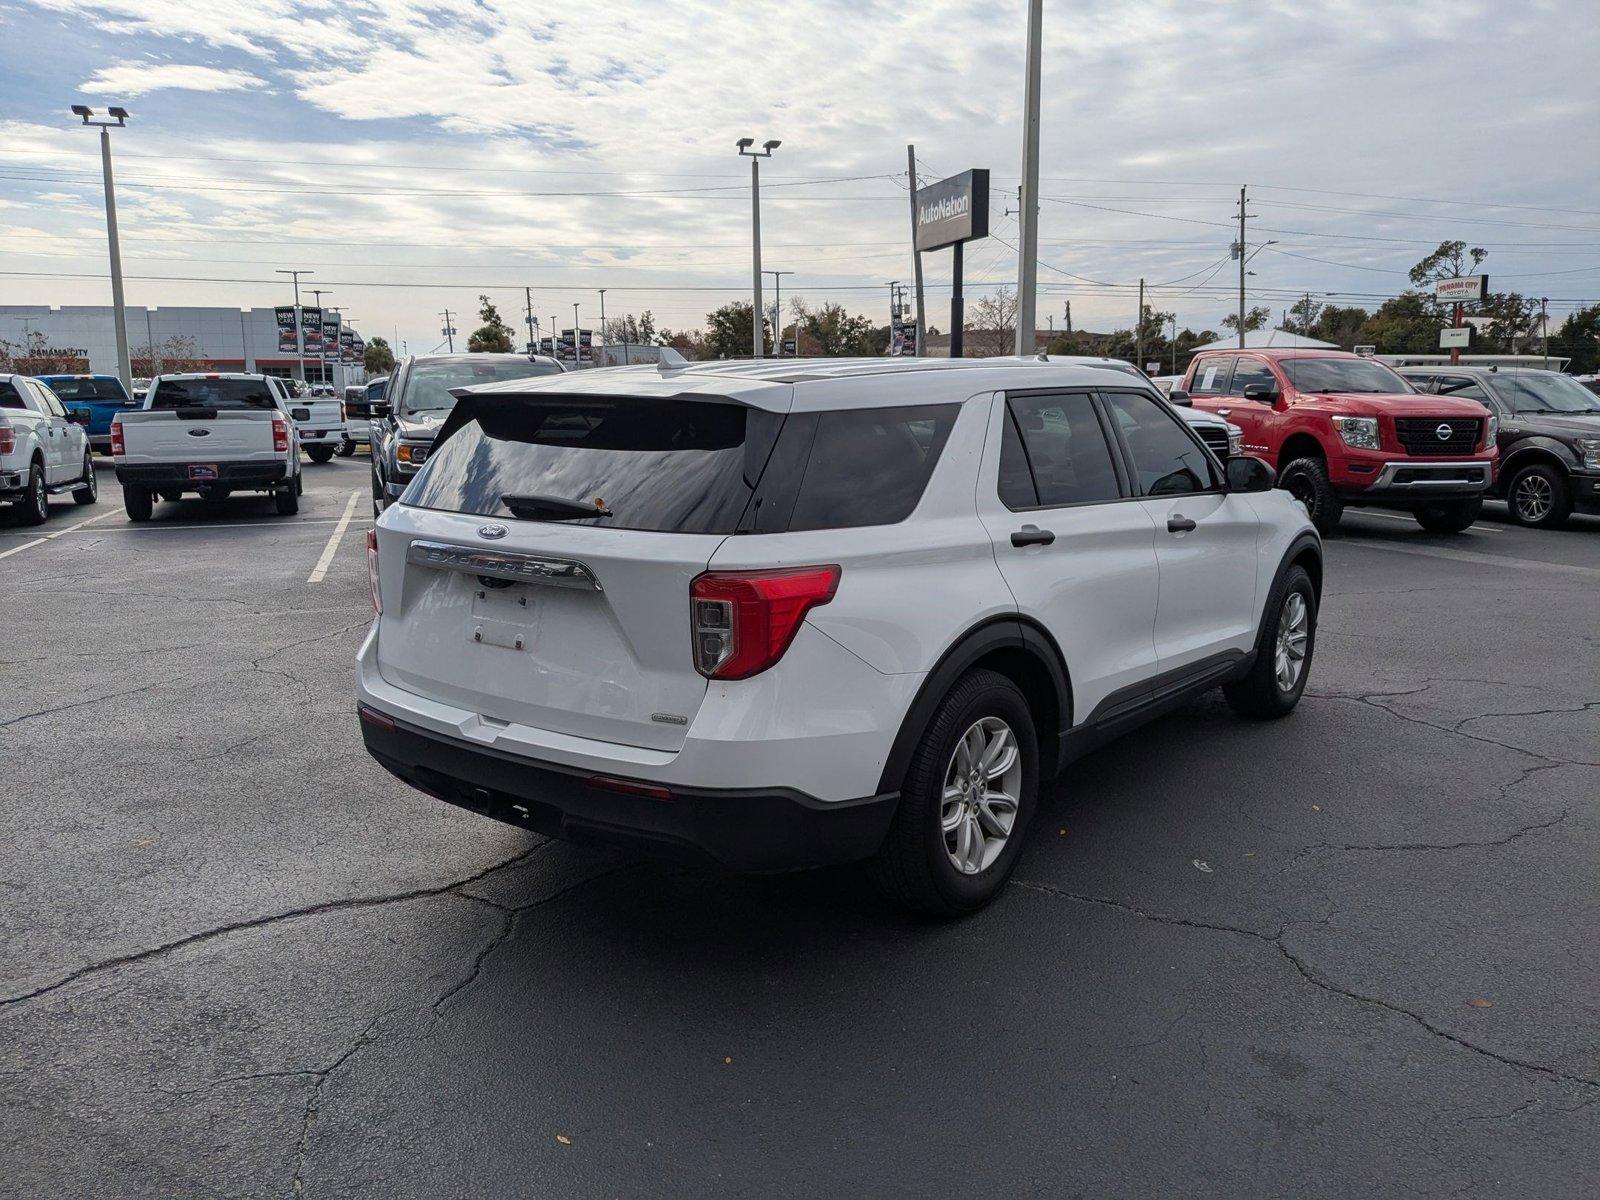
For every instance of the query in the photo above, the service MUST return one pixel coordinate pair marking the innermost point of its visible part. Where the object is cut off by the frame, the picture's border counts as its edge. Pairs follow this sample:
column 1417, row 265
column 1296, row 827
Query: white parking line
column 1469, row 556
column 50, row 537
column 1412, row 521
column 328, row 551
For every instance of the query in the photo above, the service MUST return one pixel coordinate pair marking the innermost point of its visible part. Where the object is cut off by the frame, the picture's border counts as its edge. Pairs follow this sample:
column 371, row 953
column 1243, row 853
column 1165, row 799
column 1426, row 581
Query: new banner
column 585, row 354
column 330, row 332
column 285, row 315
column 347, row 345
column 311, row 329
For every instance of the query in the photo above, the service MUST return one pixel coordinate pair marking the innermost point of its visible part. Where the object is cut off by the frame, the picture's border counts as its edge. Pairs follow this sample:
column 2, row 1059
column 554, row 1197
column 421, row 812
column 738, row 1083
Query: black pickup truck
column 1549, row 436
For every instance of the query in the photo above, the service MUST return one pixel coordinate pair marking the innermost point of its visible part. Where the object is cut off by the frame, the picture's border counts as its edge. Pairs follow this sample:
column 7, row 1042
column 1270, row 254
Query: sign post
column 951, row 213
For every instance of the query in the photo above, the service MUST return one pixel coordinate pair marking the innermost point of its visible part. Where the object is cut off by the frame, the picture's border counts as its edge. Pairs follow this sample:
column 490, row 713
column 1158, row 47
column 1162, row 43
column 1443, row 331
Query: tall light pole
column 1028, row 247
column 119, row 119
column 602, row 324
column 577, row 340
column 755, row 157
column 299, row 334
column 322, row 334
column 1544, row 327
column 777, row 314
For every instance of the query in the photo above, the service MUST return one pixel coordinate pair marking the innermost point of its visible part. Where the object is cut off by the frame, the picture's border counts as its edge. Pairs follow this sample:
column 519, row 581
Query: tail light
column 8, row 438
column 372, row 571
column 280, row 434
column 743, row 621
column 118, row 446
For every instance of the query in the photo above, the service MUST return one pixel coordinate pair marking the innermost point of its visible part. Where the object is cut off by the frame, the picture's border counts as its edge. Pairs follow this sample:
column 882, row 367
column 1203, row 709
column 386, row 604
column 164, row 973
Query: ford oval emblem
column 491, row 531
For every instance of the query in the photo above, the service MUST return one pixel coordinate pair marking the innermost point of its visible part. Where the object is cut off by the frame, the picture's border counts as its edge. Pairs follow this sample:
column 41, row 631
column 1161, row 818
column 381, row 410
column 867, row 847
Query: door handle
column 1032, row 535
column 1178, row 523
column 1222, row 412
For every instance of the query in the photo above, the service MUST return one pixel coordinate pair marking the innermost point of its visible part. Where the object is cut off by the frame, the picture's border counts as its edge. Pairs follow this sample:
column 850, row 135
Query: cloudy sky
column 413, row 153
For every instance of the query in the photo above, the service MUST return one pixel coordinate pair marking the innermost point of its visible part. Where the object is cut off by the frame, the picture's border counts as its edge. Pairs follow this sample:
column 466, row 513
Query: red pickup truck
column 1345, row 430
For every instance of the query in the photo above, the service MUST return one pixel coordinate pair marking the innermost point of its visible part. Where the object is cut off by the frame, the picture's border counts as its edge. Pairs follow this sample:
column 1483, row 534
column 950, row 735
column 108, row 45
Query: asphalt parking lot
column 1349, row 953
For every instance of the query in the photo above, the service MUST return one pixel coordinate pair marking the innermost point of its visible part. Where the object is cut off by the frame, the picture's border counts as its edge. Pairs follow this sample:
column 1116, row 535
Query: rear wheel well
column 1301, row 445
column 1033, row 678
column 1309, row 560
column 1529, row 457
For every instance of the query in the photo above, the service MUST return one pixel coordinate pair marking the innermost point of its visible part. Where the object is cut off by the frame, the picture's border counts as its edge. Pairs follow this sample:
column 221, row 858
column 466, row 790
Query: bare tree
column 992, row 329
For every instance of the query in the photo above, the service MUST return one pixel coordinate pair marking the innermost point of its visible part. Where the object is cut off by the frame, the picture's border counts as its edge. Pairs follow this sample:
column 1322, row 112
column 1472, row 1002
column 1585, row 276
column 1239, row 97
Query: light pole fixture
column 777, row 314
column 118, row 119
column 577, row 340
column 322, row 334
column 755, row 157
column 299, row 334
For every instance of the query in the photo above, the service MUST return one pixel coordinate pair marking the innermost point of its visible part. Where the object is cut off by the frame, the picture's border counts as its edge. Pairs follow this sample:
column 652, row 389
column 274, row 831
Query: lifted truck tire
column 1306, row 479
column 1449, row 516
column 913, row 867
column 320, row 454
column 1539, row 497
column 138, row 501
column 287, row 499
column 1261, row 692
column 346, row 448
column 90, row 491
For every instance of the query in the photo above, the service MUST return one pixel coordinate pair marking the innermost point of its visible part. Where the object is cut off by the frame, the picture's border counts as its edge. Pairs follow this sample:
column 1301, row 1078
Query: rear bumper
column 101, row 442
column 762, row 830
column 229, row 474
column 333, row 433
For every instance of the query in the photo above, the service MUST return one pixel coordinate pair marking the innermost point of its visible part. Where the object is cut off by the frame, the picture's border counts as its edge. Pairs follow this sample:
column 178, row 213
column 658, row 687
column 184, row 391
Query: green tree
column 729, row 331
column 1579, row 339
column 1256, row 318
column 378, row 358
column 832, row 331
column 1513, row 322
column 1405, row 324
column 1303, row 315
column 494, row 335
column 1450, row 261
column 1340, row 325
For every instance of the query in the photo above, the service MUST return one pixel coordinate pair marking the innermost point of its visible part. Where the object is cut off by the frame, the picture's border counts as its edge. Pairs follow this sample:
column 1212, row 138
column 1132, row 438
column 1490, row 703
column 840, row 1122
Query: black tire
column 913, row 868
column 346, row 448
column 1539, row 497
column 90, row 491
column 1261, row 693
column 377, row 496
column 171, row 495
column 299, row 483
column 1449, row 516
column 1306, row 479
column 35, row 506
column 320, row 454
column 286, row 499
column 138, row 501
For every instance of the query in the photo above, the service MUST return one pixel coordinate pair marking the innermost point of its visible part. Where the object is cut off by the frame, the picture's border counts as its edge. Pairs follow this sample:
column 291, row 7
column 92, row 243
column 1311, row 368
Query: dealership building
column 224, row 339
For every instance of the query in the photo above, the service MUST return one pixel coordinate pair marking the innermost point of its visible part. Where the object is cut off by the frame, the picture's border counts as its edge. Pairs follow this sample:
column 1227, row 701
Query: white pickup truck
column 319, row 420
column 212, row 434
column 43, row 450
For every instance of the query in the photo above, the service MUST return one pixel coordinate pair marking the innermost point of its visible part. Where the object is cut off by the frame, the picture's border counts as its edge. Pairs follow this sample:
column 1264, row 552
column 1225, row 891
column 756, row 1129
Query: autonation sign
column 953, row 210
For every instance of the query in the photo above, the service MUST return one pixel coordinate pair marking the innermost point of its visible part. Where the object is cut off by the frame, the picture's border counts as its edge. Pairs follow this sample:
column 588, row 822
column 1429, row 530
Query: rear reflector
column 117, row 444
column 375, row 718
column 629, row 787
column 372, row 571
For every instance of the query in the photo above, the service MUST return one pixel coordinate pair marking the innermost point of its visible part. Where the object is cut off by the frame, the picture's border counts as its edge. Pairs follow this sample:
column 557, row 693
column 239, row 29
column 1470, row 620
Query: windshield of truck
column 1544, row 392
column 86, row 387
column 211, row 393
column 428, row 384
column 1313, row 375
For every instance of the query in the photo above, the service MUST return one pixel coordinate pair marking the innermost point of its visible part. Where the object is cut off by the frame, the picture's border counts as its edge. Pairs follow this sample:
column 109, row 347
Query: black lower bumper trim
column 763, row 830
column 231, row 475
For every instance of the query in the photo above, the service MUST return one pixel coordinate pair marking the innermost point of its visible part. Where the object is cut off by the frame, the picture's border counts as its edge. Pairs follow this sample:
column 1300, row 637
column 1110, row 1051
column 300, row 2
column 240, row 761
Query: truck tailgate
column 166, row 436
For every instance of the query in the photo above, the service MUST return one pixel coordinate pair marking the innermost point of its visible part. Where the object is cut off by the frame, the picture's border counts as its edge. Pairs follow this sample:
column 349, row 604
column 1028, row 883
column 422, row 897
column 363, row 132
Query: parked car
column 44, row 450
column 102, row 396
column 319, row 419
column 1346, row 431
column 141, row 385
column 416, row 400
column 210, row 434
column 786, row 615
column 1549, row 436
column 358, row 399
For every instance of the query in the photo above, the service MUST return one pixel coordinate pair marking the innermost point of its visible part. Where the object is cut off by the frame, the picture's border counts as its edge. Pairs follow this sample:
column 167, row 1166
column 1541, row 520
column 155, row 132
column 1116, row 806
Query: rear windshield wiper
column 552, row 508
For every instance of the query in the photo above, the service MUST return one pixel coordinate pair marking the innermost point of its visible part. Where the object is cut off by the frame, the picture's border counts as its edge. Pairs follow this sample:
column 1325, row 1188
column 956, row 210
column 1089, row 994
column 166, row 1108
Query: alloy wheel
column 1294, row 635
column 982, row 784
column 1533, row 497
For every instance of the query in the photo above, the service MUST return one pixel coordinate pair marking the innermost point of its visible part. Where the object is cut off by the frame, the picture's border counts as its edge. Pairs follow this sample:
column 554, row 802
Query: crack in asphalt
column 1304, row 969
column 314, row 1100
column 45, row 712
column 206, row 935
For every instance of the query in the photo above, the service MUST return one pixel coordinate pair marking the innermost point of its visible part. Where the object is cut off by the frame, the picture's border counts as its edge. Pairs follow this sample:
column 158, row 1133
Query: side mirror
column 1181, row 398
column 356, row 410
column 380, row 408
column 78, row 416
column 1249, row 474
column 1263, row 393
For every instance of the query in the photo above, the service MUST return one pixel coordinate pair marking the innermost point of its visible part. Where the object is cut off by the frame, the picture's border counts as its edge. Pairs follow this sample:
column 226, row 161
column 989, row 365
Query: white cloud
column 137, row 79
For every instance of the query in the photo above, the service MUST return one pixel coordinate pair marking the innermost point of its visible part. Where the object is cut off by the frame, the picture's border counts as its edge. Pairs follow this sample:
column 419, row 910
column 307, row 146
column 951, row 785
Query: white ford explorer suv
column 795, row 613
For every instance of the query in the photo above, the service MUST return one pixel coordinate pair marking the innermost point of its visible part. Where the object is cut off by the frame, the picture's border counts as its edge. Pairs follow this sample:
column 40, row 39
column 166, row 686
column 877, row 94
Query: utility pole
column 1068, row 304
column 1028, row 257
column 299, row 333
column 449, row 331
column 916, row 255
column 577, row 340
column 1544, row 327
column 322, row 334
column 1174, row 343
column 119, row 317
column 602, row 325
column 777, row 314
column 1241, row 268
column 1138, row 330
column 533, row 345
column 755, row 157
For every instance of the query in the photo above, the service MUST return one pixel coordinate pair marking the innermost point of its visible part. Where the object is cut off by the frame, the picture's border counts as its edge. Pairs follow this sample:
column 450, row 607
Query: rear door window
column 869, row 466
column 1211, row 377
column 10, row 397
column 221, row 394
column 1248, row 372
column 1054, row 452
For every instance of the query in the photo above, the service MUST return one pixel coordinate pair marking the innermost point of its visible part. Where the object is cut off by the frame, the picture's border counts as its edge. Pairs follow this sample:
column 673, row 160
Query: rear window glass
column 211, row 393
column 869, row 466
column 684, row 467
column 10, row 397
column 427, row 384
column 376, row 389
column 93, row 388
